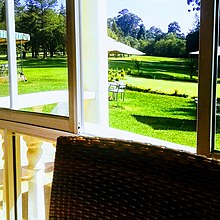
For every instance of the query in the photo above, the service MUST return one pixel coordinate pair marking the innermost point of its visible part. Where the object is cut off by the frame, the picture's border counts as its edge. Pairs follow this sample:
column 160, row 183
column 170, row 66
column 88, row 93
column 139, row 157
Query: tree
column 54, row 31
column 171, row 46
column 141, row 35
column 61, row 35
column 154, row 33
column 149, row 47
column 113, row 30
column 34, row 20
column 174, row 28
column 28, row 22
column 192, row 41
column 18, row 9
column 195, row 4
column 129, row 23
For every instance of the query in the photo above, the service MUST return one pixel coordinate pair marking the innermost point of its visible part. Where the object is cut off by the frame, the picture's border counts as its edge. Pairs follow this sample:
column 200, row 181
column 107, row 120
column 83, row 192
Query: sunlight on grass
column 188, row 88
column 164, row 117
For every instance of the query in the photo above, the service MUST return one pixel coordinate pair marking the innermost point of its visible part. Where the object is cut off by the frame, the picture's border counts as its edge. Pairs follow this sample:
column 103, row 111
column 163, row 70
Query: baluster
column 36, row 202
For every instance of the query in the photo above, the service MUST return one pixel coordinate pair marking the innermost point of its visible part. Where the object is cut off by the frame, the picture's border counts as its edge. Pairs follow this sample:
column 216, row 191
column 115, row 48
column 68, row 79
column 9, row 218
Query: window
column 87, row 77
column 34, row 88
column 87, row 112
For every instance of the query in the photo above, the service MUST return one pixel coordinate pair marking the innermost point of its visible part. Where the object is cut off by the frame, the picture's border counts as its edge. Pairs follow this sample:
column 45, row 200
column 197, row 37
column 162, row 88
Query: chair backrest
column 122, row 87
column 96, row 178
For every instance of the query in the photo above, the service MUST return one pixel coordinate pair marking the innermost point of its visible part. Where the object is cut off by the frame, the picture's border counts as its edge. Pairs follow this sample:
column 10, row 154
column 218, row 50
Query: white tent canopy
column 197, row 52
column 115, row 47
column 20, row 37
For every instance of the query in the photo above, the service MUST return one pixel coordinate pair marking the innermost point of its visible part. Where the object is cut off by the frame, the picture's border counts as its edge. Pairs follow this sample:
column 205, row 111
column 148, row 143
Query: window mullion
column 12, row 65
column 207, row 57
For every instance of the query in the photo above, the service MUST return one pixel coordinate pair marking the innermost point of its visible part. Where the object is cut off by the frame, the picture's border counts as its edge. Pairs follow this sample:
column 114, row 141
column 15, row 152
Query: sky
column 158, row 13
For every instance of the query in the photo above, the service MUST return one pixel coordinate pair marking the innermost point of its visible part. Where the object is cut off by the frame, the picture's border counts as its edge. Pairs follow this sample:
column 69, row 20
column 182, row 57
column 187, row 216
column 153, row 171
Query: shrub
column 137, row 65
column 149, row 90
column 116, row 75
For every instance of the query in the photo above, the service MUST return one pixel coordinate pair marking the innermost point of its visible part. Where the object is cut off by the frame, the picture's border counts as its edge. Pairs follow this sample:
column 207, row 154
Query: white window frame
column 67, row 124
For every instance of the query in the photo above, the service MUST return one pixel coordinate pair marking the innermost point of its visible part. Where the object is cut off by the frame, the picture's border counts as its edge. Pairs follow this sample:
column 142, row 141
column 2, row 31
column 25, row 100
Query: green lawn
column 188, row 88
column 160, row 116
column 43, row 75
column 154, row 67
column 164, row 117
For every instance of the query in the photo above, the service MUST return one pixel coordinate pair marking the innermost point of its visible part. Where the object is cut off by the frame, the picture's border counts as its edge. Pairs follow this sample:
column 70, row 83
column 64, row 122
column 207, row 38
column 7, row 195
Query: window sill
column 101, row 131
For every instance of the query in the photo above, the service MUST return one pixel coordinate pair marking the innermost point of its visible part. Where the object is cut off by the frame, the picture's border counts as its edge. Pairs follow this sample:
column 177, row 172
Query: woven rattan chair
column 98, row 178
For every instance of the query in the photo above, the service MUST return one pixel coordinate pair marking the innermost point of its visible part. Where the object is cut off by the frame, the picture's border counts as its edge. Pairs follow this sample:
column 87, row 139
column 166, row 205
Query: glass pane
column 41, row 58
column 37, row 161
column 160, row 97
column 4, row 79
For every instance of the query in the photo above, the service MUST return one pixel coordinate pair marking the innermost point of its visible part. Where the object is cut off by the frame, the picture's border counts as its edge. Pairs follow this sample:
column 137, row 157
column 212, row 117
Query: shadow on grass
column 45, row 63
column 164, row 123
column 190, row 110
column 155, row 69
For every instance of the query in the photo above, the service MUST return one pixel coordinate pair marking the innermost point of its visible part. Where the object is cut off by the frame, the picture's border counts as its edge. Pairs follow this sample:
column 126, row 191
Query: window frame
column 71, row 123
column 208, row 56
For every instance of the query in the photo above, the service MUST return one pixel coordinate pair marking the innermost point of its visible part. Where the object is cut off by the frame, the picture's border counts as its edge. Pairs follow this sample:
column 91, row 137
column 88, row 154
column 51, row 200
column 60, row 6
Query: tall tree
column 192, row 39
column 18, row 8
column 174, row 28
column 55, row 32
column 128, row 22
column 154, row 33
column 34, row 21
column 141, row 35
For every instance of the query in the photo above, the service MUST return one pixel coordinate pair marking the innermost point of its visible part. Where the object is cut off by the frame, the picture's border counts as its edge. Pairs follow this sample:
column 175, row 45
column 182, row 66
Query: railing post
column 36, row 201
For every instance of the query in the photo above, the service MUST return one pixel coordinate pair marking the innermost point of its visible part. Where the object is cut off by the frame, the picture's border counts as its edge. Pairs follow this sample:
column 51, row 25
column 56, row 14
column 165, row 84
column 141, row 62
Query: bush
column 137, row 64
column 149, row 90
column 116, row 75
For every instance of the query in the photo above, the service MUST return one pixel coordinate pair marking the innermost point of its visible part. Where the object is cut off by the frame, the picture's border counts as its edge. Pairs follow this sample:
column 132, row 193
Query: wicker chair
column 96, row 178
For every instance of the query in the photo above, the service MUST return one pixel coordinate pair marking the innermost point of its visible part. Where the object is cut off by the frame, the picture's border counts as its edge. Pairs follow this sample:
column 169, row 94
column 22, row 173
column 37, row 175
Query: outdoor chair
column 97, row 178
column 117, row 89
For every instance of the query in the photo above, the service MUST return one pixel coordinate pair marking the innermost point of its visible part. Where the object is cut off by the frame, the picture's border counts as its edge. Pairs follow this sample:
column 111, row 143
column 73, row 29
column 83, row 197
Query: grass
column 43, row 75
column 159, row 116
column 188, row 88
column 155, row 67
column 164, row 117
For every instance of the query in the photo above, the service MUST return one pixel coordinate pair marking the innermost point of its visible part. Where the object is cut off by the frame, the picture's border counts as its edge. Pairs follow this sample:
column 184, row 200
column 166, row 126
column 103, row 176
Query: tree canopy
column 46, row 24
column 195, row 4
column 128, row 22
column 128, row 28
column 174, row 28
column 43, row 21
